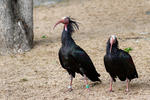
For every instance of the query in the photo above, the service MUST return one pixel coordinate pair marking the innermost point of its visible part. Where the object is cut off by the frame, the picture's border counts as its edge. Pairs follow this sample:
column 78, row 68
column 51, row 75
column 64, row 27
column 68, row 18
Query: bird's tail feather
column 93, row 77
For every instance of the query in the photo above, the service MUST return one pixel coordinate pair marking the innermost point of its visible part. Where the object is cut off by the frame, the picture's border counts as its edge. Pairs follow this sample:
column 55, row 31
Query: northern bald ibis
column 72, row 57
column 118, row 63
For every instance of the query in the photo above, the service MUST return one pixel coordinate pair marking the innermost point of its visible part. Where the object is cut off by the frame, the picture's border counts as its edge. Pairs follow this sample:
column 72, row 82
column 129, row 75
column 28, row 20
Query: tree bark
column 16, row 26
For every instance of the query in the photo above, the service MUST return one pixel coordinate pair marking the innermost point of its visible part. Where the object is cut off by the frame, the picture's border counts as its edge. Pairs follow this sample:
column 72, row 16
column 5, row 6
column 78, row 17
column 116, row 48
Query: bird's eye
column 66, row 21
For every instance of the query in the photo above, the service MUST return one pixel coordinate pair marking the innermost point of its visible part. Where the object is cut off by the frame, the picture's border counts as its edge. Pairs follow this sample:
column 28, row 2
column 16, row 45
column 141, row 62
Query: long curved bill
column 61, row 21
column 111, row 43
column 110, row 47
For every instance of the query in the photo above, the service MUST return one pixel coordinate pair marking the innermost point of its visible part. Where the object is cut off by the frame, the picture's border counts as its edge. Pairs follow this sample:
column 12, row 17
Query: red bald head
column 64, row 20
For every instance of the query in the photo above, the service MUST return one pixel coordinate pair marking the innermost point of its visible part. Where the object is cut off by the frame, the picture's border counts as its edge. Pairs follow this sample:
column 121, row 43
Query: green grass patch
column 128, row 49
column 44, row 36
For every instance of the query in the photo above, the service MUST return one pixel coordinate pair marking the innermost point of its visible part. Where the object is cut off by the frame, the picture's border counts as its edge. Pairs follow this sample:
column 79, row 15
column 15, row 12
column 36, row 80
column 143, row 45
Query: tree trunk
column 16, row 26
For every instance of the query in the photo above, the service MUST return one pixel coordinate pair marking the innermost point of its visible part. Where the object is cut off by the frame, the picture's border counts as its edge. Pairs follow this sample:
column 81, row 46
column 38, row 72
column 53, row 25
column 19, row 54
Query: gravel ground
column 37, row 74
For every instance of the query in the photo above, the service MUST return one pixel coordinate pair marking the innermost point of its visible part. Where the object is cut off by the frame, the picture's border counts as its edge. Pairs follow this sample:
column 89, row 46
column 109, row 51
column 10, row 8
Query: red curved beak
column 61, row 21
column 111, row 43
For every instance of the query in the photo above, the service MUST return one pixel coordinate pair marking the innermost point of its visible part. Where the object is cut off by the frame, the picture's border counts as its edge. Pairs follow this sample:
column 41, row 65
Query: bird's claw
column 70, row 89
column 88, row 89
column 110, row 90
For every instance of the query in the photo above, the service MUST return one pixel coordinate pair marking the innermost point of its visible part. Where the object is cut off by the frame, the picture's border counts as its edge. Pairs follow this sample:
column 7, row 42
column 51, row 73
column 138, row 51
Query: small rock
column 147, row 12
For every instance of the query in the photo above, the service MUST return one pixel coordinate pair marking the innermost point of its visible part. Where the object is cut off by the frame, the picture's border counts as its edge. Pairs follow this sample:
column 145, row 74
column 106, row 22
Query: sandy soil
column 37, row 75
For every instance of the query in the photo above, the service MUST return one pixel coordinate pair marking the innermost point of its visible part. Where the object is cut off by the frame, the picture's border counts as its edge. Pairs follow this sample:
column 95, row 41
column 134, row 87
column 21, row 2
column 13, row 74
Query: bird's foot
column 110, row 90
column 127, row 90
column 70, row 88
column 88, row 87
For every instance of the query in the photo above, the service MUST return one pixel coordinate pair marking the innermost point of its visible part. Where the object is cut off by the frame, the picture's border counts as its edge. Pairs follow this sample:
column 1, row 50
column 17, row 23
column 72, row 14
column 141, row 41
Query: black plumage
column 118, row 63
column 73, row 58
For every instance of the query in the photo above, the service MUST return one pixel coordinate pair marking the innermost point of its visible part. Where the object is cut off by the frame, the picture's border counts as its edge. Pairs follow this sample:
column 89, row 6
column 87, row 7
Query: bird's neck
column 66, row 37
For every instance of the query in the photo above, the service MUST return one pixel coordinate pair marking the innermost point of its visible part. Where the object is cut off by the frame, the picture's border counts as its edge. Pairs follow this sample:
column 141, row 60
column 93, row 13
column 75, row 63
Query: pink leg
column 70, row 86
column 86, row 82
column 110, row 89
column 127, row 85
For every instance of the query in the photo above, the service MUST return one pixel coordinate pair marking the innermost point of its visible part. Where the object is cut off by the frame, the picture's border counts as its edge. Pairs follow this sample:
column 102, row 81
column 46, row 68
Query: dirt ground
column 37, row 74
